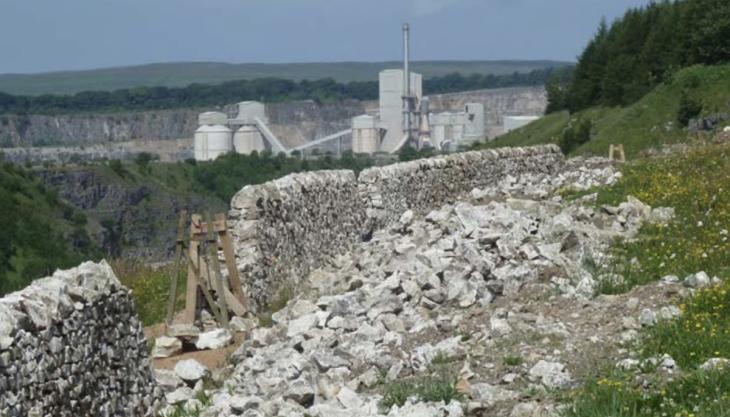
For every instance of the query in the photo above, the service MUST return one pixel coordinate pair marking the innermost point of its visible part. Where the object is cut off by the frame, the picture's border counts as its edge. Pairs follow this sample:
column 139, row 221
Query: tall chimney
column 407, row 79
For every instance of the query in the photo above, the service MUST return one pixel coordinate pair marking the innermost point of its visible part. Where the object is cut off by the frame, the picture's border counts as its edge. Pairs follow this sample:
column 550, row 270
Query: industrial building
column 403, row 119
column 511, row 123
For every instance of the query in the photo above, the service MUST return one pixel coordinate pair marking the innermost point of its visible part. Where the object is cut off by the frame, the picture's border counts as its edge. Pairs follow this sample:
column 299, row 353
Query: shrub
column 575, row 136
column 150, row 288
column 689, row 108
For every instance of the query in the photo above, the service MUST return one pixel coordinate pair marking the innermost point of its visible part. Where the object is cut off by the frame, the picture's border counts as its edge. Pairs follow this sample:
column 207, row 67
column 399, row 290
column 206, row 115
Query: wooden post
column 616, row 153
column 217, row 276
column 191, row 296
column 179, row 247
column 227, row 244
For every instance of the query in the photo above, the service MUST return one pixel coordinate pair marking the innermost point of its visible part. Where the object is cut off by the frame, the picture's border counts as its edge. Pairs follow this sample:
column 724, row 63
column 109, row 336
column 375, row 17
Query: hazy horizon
column 49, row 36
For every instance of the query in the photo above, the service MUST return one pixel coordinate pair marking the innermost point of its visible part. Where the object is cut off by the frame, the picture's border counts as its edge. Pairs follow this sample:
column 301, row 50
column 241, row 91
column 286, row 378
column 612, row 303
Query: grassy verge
column 697, row 394
column 150, row 288
column 696, row 185
column 699, row 334
column 437, row 384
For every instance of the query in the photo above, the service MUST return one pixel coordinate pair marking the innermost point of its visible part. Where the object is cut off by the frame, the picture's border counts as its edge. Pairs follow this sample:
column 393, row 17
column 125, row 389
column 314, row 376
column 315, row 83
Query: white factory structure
column 511, row 123
column 403, row 119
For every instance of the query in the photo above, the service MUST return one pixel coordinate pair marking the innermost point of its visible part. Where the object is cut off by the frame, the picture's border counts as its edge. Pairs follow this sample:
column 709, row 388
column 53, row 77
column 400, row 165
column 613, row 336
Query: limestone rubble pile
column 72, row 345
column 404, row 300
column 287, row 228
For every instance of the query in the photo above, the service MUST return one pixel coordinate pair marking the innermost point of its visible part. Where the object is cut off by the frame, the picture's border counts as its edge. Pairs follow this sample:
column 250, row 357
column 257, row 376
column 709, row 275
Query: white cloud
column 426, row 7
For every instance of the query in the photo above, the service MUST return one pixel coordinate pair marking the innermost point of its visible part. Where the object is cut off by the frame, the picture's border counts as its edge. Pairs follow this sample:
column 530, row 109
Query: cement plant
column 333, row 223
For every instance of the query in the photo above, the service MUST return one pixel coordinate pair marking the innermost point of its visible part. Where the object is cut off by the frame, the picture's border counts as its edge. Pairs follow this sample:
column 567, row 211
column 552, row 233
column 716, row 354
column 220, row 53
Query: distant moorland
column 181, row 74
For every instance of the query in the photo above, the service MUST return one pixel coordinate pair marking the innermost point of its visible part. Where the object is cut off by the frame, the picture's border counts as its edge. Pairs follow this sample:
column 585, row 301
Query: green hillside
column 185, row 73
column 649, row 122
column 39, row 232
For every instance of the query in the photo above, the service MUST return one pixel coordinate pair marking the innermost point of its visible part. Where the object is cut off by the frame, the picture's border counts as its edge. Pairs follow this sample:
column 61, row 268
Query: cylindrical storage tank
column 248, row 139
column 212, row 141
column 365, row 135
column 220, row 141
column 200, row 143
column 212, row 118
column 249, row 111
column 475, row 127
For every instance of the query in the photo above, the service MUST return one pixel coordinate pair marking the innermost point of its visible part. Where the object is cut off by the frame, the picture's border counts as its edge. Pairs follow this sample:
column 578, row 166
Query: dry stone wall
column 72, row 345
column 426, row 184
column 286, row 228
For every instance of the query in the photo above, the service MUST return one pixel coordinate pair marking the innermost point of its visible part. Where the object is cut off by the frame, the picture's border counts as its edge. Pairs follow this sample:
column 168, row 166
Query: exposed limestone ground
column 494, row 295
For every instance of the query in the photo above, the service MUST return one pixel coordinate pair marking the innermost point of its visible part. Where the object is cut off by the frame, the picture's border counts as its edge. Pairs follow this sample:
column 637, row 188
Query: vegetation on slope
column 181, row 74
column 695, row 184
column 696, row 239
column 262, row 89
column 625, row 61
column 658, row 118
column 138, row 217
column 38, row 232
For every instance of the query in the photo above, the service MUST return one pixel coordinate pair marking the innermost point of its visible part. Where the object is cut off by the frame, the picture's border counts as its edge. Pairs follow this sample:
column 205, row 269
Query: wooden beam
column 217, row 277
column 234, row 304
column 179, row 247
column 230, row 257
column 191, row 295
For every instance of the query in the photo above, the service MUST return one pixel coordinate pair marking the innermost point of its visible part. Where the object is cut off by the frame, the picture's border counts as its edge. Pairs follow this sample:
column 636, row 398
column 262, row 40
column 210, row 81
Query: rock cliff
column 295, row 122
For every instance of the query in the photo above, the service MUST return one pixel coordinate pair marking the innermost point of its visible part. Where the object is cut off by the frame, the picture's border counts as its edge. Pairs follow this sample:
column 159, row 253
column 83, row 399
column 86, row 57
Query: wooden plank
column 194, row 271
column 217, row 312
column 230, row 256
column 218, row 277
column 234, row 304
column 179, row 247
column 203, row 288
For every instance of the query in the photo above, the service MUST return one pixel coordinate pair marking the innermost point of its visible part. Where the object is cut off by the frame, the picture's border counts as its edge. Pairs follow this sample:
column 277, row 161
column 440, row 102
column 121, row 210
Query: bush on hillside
column 689, row 108
column 576, row 135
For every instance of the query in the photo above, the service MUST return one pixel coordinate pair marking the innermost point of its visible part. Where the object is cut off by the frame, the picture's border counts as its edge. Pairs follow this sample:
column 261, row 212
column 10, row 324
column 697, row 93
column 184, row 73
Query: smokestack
column 407, row 79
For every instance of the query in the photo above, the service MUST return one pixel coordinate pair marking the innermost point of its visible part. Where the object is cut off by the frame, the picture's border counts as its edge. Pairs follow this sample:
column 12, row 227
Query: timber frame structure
column 199, row 255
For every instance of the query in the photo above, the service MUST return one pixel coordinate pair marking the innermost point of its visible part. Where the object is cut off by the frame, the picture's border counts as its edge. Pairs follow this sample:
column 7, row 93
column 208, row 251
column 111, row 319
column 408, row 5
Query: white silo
column 212, row 141
column 365, row 135
column 212, row 118
column 248, row 139
column 438, row 130
column 458, row 120
column 249, row 111
column 515, row 122
column 475, row 125
column 391, row 86
column 200, row 142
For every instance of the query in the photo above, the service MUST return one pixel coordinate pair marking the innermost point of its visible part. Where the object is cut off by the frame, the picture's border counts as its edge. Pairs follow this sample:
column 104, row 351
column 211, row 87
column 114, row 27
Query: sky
column 50, row 35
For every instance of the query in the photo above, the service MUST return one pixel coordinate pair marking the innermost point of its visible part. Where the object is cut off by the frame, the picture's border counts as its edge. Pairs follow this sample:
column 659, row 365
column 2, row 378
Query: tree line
column 626, row 60
column 262, row 89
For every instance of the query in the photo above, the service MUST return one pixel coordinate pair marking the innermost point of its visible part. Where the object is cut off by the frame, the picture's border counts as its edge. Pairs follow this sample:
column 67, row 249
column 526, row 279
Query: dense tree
column 40, row 233
column 263, row 89
column 625, row 61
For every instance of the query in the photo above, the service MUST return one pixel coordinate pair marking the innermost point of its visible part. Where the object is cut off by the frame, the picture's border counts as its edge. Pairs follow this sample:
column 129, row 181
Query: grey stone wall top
column 50, row 299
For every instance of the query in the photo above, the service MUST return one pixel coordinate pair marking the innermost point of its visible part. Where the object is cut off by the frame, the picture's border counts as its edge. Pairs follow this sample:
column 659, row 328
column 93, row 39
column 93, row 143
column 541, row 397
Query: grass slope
column 39, row 232
column 185, row 73
column 650, row 122
column 695, row 184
